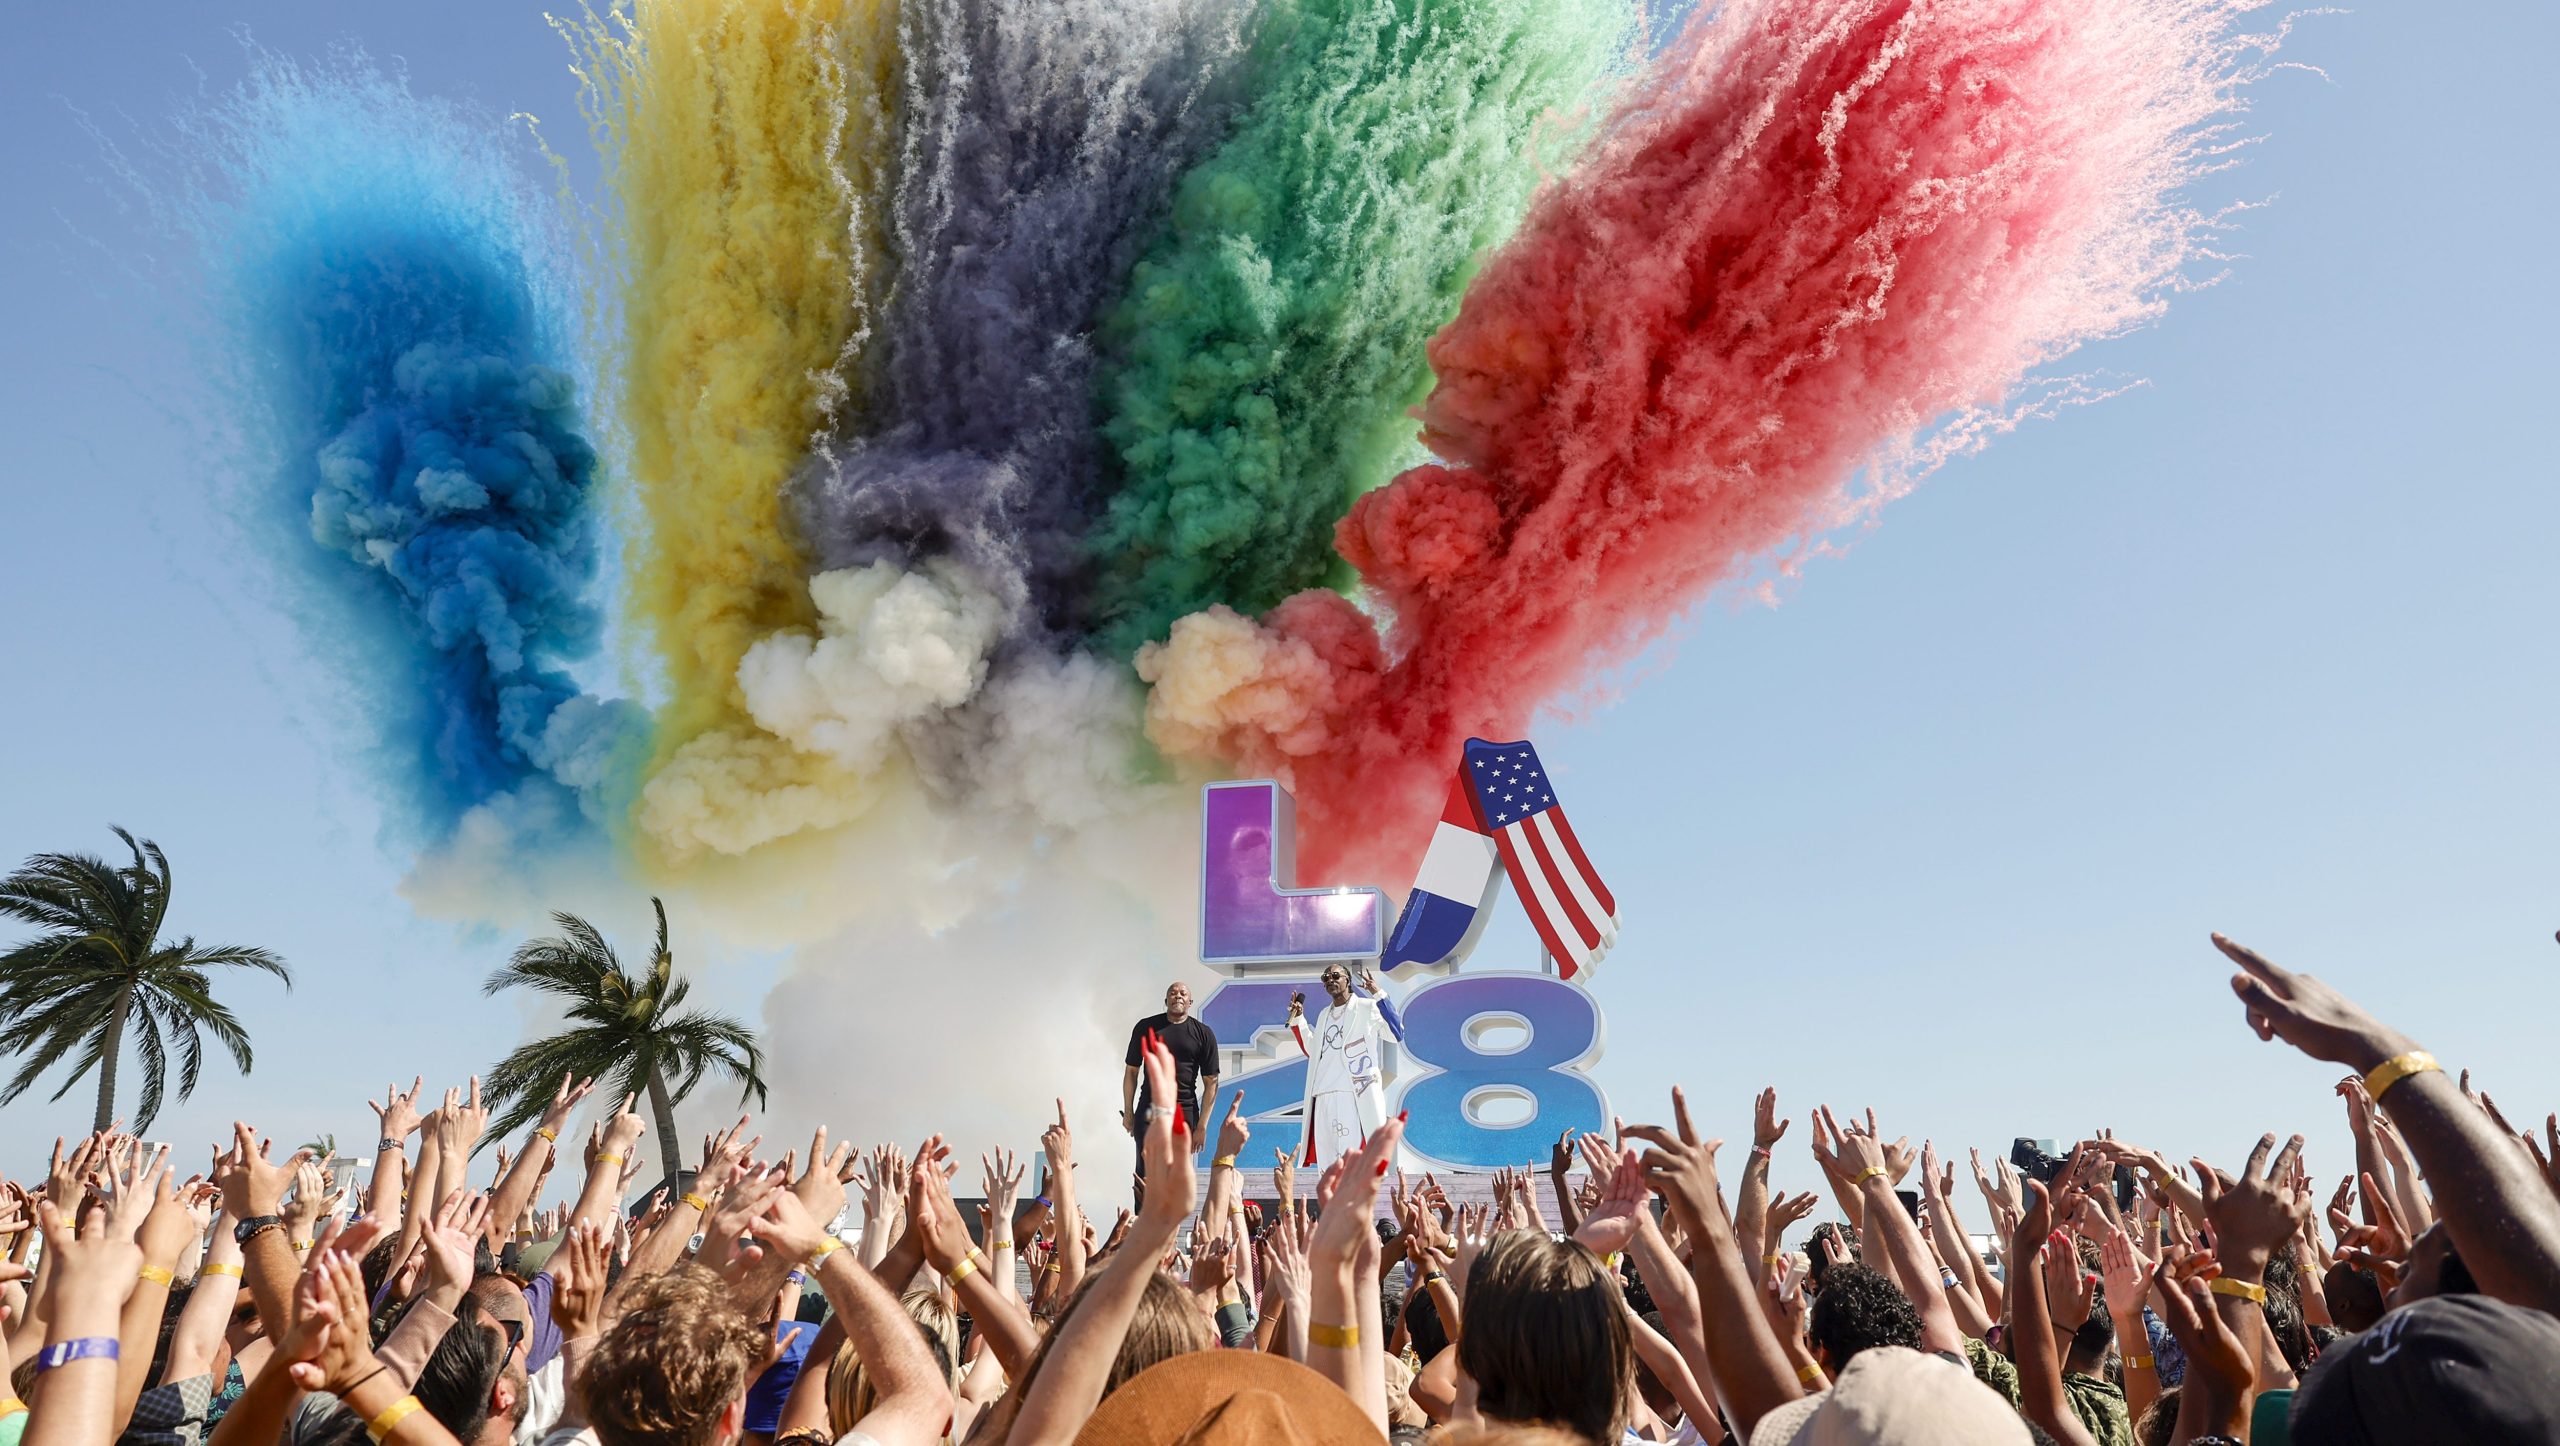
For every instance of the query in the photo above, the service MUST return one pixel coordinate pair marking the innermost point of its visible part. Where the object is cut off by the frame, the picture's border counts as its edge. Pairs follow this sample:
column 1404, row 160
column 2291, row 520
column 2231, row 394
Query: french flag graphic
column 1453, row 892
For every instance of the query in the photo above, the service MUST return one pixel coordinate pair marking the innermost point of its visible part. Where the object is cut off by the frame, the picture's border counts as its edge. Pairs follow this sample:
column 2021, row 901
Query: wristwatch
column 241, row 1232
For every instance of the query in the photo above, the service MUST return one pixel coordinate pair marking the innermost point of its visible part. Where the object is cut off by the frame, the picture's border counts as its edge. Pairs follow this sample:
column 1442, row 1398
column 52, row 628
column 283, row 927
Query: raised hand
column 1768, row 1127
column 936, row 1219
column 1171, row 1175
column 581, row 1269
column 1058, row 1143
column 564, row 1101
column 470, row 1118
column 398, row 1113
column 452, row 1241
column 2220, row 1377
column 1002, row 1177
column 821, row 1186
column 723, row 1155
column 1284, row 1177
column 2258, row 1212
column 2309, row 1015
column 1613, row 1221
column 251, row 1184
column 1784, row 1211
column 1232, row 1130
column 1680, row 1168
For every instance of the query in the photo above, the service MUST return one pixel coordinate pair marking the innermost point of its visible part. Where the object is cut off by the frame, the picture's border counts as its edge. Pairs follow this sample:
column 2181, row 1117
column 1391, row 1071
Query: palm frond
column 188, row 954
column 143, row 1023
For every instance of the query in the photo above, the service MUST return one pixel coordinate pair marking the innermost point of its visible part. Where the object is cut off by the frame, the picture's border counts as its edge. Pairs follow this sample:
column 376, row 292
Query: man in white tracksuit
column 1346, row 1088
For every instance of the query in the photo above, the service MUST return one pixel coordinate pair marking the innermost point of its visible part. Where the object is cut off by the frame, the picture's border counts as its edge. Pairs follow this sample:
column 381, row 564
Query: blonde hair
column 850, row 1391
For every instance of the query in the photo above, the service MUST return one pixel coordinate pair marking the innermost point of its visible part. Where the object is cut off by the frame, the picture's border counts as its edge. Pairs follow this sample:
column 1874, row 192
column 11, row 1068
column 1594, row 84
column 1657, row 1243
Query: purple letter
column 1250, row 915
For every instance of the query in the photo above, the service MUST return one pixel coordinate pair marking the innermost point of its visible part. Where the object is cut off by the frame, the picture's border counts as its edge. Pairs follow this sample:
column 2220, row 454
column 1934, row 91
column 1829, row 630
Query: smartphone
column 1298, row 999
column 1910, row 1203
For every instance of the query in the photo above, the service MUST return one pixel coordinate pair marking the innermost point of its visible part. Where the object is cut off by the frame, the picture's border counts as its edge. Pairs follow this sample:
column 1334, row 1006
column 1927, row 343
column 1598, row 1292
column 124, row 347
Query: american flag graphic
column 1575, row 914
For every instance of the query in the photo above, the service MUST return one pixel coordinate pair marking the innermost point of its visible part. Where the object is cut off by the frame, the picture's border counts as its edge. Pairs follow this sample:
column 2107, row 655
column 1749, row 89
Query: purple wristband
column 84, row 1348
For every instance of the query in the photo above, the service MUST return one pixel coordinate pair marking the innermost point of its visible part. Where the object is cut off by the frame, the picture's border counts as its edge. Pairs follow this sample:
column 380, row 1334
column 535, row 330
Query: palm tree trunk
column 107, row 1060
column 670, row 1151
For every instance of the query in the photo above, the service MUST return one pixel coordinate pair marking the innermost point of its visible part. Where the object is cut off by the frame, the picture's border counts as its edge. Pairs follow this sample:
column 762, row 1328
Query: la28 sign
column 1477, row 1042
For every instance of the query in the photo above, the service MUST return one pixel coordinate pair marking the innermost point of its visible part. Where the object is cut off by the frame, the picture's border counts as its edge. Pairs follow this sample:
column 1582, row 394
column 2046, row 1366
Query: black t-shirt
column 1195, row 1052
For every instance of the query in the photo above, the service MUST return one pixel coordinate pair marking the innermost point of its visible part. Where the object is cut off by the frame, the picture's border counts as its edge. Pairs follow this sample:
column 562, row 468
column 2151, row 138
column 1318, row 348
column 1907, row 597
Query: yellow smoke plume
column 744, row 140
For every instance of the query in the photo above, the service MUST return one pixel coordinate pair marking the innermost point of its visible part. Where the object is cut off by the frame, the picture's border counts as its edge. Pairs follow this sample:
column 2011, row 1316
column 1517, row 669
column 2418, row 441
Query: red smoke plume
column 1822, row 246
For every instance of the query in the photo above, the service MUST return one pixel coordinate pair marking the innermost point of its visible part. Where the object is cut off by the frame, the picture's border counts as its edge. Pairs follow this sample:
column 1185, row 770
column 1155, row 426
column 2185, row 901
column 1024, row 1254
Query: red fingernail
column 1403, row 1115
column 1382, row 1167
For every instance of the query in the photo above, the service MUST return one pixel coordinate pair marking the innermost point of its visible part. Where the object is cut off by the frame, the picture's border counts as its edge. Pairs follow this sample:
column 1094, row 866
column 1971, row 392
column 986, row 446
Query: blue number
column 1563, row 1028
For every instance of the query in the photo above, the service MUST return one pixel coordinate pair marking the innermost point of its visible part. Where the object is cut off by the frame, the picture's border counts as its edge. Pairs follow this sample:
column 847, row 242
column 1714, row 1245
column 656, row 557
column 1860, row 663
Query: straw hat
column 1227, row 1398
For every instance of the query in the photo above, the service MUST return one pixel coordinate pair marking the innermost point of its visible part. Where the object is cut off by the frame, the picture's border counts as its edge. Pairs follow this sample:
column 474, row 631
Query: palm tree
column 101, row 967
column 623, row 1030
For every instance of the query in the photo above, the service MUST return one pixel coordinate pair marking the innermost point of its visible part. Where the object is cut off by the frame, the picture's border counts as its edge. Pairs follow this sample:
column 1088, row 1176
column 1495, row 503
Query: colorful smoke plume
column 1008, row 411
column 405, row 382
column 1817, row 251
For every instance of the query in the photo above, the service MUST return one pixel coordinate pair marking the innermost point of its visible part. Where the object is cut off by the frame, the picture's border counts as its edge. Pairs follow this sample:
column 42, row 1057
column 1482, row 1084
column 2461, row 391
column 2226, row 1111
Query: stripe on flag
column 1573, row 911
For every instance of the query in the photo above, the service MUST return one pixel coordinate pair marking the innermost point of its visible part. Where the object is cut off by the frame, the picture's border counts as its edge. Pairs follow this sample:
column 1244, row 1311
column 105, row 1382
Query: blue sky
column 2260, row 646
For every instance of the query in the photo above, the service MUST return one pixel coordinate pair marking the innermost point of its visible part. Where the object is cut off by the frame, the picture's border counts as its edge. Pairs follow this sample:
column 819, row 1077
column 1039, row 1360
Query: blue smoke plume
column 397, row 341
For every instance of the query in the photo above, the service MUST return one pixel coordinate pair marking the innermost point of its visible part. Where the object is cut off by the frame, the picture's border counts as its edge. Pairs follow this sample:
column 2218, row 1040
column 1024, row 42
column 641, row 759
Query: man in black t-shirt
column 1194, row 1047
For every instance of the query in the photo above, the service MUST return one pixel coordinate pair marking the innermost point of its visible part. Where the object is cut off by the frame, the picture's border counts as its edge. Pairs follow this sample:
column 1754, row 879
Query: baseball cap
column 2464, row 1370
column 1896, row 1396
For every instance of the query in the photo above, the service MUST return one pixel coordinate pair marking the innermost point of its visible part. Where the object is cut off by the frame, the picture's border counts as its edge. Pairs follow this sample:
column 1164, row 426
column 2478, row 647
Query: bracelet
column 1429, row 1276
column 1866, row 1174
column 1336, row 1338
column 1773, row 1260
column 221, row 1267
column 1946, row 1280
column 157, row 1276
column 11, row 1406
column 607, row 1157
column 389, row 1145
column 1228, row 1161
column 1807, row 1375
column 548, row 1133
column 826, row 1247
column 352, row 1385
column 798, row 1277
column 1001, row 1245
column 2140, row 1363
column 82, row 1348
column 1763, row 1152
column 968, row 1263
column 2395, row 1069
column 381, row 1427
column 2237, row 1289
column 696, row 1201
column 301, row 1246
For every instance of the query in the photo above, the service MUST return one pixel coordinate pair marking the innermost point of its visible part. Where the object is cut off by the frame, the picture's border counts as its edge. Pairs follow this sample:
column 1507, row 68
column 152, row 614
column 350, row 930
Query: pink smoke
column 1823, row 245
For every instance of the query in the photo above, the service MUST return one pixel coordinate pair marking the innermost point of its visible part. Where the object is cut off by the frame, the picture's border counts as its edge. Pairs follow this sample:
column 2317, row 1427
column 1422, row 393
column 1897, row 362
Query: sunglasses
column 513, row 1330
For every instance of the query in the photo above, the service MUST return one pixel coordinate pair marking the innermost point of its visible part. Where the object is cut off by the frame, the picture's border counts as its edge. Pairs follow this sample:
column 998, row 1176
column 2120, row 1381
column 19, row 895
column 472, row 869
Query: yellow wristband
column 2139, row 1363
column 2238, row 1289
column 1867, row 1174
column 1229, row 1161
column 1807, row 1375
column 696, row 1201
column 158, row 1276
column 1773, row 1260
column 300, row 1246
column 381, row 1427
column 1001, row 1245
column 826, row 1247
column 607, row 1157
column 548, row 1133
column 221, row 1268
column 1339, row 1338
column 11, row 1405
column 968, row 1263
column 2397, row 1068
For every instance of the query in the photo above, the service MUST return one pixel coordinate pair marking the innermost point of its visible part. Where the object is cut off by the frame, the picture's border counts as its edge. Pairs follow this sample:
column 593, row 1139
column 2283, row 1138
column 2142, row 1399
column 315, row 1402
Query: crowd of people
column 2124, row 1299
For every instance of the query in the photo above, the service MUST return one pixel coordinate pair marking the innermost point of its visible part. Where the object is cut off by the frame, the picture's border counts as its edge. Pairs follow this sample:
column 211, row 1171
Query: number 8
column 1563, row 1031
